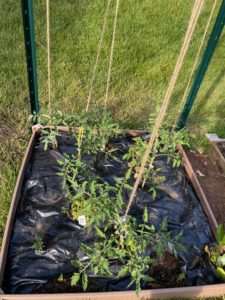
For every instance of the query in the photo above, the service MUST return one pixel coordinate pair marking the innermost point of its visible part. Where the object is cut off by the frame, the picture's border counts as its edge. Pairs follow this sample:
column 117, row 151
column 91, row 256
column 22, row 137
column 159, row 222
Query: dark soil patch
column 64, row 286
column 212, row 181
column 221, row 146
column 167, row 273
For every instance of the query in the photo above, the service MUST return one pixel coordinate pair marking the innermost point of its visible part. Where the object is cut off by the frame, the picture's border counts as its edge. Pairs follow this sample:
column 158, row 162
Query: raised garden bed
column 218, row 151
column 221, row 146
column 36, row 209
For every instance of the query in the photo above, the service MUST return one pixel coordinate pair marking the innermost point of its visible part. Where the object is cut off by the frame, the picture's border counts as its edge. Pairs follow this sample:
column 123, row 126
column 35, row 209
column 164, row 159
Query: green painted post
column 212, row 43
column 29, row 38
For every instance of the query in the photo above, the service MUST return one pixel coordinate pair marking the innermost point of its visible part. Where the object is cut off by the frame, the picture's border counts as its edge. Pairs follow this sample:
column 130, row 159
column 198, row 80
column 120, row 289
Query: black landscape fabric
column 39, row 214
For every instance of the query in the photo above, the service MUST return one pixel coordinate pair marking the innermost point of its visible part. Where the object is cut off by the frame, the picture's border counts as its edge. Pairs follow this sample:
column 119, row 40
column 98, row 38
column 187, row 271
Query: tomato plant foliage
column 124, row 240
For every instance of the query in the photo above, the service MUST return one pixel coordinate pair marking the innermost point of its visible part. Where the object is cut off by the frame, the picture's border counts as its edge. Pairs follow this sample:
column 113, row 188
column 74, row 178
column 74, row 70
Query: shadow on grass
column 200, row 110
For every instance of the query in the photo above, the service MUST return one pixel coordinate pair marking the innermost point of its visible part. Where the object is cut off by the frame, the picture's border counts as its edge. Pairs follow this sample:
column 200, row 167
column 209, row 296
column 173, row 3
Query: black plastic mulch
column 40, row 214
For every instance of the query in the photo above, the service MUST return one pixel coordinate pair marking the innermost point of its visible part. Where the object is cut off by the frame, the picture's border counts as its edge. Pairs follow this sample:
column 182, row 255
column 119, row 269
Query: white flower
column 82, row 220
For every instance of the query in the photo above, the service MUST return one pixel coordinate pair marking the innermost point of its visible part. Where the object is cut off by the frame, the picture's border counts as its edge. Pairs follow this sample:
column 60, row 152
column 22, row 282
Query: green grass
column 148, row 40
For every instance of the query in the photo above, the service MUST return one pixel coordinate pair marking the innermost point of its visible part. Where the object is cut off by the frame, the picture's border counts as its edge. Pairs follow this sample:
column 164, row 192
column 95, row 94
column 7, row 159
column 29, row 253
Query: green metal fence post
column 212, row 43
column 29, row 38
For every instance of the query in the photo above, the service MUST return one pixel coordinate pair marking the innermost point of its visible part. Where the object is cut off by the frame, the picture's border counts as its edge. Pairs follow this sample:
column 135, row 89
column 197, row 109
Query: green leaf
column 223, row 241
column 95, row 270
column 60, row 174
column 60, row 162
column 105, row 266
column 131, row 282
column 181, row 247
column 45, row 145
column 221, row 260
column 123, row 271
column 159, row 251
column 181, row 276
column 221, row 273
column 74, row 279
column 220, row 233
column 163, row 226
column 84, row 185
column 147, row 278
column 178, row 163
column 78, row 196
column 84, row 281
column 44, row 131
column 178, row 236
column 92, row 187
column 128, row 173
column 153, row 191
column 138, row 288
column 127, row 186
column 174, row 164
column 60, row 278
column 76, row 263
column 86, row 247
column 213, row 258
column 150, row 228
column 100, row 233
column 119, row 199
column 145, row 215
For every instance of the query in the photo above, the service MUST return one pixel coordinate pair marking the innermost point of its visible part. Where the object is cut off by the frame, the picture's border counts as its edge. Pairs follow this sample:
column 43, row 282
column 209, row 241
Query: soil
column 221, row 146
column 56, row 286
column 212, row 181
column 166, row 274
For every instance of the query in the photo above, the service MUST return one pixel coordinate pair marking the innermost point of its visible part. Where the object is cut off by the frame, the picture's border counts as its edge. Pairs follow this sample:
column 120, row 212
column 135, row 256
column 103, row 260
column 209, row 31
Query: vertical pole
column 212, row 43
column 29, row 38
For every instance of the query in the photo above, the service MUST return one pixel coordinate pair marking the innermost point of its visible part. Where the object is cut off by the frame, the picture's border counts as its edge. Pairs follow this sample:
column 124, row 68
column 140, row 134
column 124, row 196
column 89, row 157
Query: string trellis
column 196, row 11
column 198, row 5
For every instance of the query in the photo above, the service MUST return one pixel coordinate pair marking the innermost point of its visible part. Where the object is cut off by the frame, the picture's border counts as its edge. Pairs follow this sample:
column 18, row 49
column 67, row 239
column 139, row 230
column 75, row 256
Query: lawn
column 148, row 40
